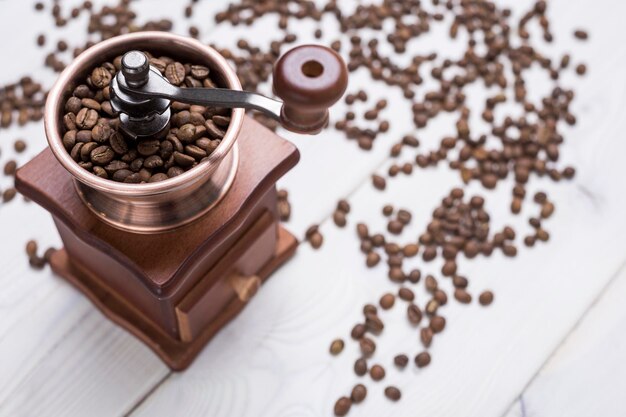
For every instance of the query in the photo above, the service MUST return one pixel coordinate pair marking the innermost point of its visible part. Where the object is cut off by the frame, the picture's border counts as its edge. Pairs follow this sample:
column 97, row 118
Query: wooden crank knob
column 309, row 79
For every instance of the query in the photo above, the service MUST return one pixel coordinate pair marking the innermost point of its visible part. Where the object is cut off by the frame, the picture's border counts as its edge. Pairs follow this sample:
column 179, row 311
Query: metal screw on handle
column 135, row 68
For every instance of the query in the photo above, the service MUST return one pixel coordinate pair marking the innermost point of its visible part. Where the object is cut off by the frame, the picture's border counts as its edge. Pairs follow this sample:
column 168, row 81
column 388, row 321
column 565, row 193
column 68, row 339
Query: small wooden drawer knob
column 309, row 79
column 244, row 286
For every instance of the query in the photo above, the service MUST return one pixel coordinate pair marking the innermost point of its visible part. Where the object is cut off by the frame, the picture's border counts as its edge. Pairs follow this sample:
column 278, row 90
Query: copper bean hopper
column 172, row 262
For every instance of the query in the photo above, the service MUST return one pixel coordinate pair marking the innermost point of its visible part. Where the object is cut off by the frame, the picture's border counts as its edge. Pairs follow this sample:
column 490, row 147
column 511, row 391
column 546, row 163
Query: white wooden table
column 552, row 344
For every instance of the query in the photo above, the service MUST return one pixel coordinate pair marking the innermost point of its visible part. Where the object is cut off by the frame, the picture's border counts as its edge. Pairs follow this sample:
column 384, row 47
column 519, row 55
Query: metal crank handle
column 309, row 79
column 158, row 87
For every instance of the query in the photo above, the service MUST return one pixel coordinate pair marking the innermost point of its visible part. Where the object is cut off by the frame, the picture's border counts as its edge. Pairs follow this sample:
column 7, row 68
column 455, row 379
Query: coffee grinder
column 173, row 262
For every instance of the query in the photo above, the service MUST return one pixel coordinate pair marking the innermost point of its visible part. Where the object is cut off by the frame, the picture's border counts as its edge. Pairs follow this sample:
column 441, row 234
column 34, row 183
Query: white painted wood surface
column 60, row 357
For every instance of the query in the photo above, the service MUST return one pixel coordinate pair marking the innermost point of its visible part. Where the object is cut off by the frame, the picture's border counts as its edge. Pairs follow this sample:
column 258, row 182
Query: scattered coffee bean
column 9, row 194
column 377, row 372
column 379, row 182
column 422, row 359
column 387, row 301
column 437, row 324
column 336, row 347
column 342, row 406
column 401, row 360
column 414, row 314
column 367, row 346
column 485, row 298
column 359, row 392
column 462, row 296
column 392, row 393
column 360, row 367
column 581, row 34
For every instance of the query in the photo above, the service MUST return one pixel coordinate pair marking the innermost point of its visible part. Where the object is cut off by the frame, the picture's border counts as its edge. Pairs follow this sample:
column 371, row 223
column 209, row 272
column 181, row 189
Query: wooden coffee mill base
column 174, row 290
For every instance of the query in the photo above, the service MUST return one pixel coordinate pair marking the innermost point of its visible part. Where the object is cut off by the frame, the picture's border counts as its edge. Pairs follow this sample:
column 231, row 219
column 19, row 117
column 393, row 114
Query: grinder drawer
column 232, row 279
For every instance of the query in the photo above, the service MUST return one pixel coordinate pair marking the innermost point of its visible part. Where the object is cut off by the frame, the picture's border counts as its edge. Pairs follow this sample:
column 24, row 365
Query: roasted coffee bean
column 90, row 104
column 462, row 296
column 430, row 283
column 387, row 210
column 86, row 118
column 37, row 262
column 9, row 194
column 100, row 172
column 316, row 240
column 102, row 155
column 69, row 121
column 175, row 73
column 432, row 306
column 19, row 146
column 430, row 252
column 221, row 121
column 437, row 324
column 84, row 136
column 395, row 227
column 406, row 294
column 547, row 209
column 183, row 160
column 195, row 152
column 509, row 250
column 542, row 235
column 360, row 367
column 422, row 359
column 336, row 347
column 404, row 216
column 414, row 314
column 372, row 259
column 158, row 177
column 449, row 268
column 121, row 175
column 115, row 166
column 485, row 298
column 387, row 301
column 339, row 217
column 410, row 250
column 414, row 276
column 199, row 72
column 101, row 133
column 362, row 231
column 426, row 336
column 459, row 281
column 359, row 392
column 373, row 323
column 175, row 171
column 75, row 152
column 100, row 77
column 379, row 182
column 85, row 151
column 396, row 274
column 581, row 69
column 377, row 372
column 367, row 346
column 31, row 248
column 358, row 331
column 401, row 360
column 581, row 34
column 118, row 143
column 392, row 393
column 213, row 131
column 153, row 161
column 342, row 406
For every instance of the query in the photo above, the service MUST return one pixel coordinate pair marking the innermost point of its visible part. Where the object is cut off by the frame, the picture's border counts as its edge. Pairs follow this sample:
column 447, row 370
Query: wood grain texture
column 585, row 376
column 273, row 360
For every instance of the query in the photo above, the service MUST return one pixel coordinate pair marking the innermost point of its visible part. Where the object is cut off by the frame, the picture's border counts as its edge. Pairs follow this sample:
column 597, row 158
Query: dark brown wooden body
column 173, row 290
